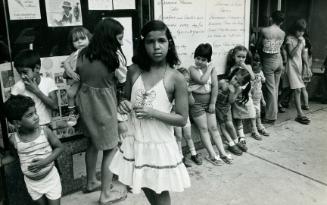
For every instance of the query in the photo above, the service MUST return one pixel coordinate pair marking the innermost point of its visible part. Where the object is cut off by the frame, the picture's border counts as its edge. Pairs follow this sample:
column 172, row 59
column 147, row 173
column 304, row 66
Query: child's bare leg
column 226, row 134
column 255, row 134
column 71, row 94
column 54, row 202
column 150, row 195
column 239, row 128
column 178, row 135
column 91, row 156
column 231, row 129
column 201, row 123
column 106, row 178
column 305, row 96
column 42, row 201
column 213, row 129
column 189, row 141
column 163, row 198
column 259, row 124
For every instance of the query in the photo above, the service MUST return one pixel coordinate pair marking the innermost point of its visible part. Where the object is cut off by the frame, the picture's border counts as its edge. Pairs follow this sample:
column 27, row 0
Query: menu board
column 222, row 23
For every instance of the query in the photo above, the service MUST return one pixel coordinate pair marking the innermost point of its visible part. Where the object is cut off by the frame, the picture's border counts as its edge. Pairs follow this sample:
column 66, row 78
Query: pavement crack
column 288, row 169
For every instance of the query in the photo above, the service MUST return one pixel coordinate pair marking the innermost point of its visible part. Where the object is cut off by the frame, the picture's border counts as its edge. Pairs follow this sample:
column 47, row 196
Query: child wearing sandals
column 185, row 131
column 243, row 108
column 256, row 93
column 228, row 90
column 204, row 89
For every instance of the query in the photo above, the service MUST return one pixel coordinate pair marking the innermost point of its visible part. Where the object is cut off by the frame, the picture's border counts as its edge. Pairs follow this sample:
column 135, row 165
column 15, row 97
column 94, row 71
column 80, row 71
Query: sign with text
column 222, row 23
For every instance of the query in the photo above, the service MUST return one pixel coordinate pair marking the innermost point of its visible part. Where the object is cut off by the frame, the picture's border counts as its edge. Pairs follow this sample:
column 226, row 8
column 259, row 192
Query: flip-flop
column 86, row 191
column 122, row 198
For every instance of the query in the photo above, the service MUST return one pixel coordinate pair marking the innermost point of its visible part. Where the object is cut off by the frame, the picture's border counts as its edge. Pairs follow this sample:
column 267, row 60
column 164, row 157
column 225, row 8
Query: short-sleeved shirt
column 46, row 86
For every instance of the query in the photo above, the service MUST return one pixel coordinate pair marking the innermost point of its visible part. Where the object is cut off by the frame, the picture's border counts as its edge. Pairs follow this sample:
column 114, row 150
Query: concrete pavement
column 289, row 167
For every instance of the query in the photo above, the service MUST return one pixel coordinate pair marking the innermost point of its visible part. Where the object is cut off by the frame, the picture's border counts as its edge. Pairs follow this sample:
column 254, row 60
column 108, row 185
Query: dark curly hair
column 231, row 58
column 246, row 81
column 27, row 58
column 142, row 59
column 104, row 44
column 16, row 106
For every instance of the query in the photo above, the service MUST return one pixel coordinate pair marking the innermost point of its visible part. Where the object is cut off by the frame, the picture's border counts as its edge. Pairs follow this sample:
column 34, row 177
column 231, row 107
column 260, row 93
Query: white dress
column 149, row 156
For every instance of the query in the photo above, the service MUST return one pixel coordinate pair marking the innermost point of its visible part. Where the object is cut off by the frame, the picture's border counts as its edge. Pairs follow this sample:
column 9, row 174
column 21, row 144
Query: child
column 41, row 89
column 243, row 107
column 79, row 38
column 185, row 131
column 256, row 93
column 306, row 73
column 37, row 148
column 228, row 90
column 204, row 90
column 151, row 161
column 97, row 104
column 295, row 46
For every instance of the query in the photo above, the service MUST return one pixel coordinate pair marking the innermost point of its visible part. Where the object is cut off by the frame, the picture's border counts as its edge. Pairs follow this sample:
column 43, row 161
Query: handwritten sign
column 222, row 23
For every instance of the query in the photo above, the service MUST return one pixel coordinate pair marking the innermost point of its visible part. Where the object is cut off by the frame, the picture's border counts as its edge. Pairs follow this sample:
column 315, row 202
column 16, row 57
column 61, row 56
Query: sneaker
column 187, row 162
column 215, row 161
column 264, row 132
column 196, row 159
column 242, row 144
column 256, row 136
column 235, row 150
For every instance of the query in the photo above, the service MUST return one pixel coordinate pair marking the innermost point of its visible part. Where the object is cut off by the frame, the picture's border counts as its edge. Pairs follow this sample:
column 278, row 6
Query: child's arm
column 249, row 69
column 69, row 71
column 292, row 51
column 50, row 101
column 197, row 77
column 57, row 148
column 234, row 93
column 214, row 91
column 191, row 100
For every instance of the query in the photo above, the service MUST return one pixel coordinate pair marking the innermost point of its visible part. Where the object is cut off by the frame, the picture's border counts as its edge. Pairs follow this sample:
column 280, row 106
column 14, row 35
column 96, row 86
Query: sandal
column 302, row 119
column 242, row 144
column 226, row 159
column 264, row 132
column 215, row 161
column 256, row 136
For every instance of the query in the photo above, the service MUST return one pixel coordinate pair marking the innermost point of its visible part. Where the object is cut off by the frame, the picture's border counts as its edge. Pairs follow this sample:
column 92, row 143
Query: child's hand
column 143, row 112
column 37, row 164
column 263, row 102
column 301, row 40
column 125, row 107
column 30, row 84
column 231, row 88
column 72, row 74
column 211, row 108
column 122, row 129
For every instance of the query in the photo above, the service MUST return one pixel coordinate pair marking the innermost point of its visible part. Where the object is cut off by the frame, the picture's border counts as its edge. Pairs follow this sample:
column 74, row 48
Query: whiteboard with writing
column 222, row 23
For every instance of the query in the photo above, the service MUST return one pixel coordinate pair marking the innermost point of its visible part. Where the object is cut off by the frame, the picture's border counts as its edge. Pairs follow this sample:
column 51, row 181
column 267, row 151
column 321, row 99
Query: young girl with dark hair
column 97, row 104
column 149, row 158
column 204, row 89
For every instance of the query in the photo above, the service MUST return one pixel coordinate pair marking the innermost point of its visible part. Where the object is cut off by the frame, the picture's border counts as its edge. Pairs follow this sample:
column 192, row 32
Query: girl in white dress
column 149, row 158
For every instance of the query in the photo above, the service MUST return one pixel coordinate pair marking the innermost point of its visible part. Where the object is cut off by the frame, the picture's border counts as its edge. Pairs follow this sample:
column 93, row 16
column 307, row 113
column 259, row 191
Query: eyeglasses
column 201, row 59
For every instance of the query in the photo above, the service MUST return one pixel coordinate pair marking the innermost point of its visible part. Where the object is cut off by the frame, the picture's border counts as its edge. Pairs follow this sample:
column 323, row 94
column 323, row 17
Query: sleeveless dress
column 149, row 156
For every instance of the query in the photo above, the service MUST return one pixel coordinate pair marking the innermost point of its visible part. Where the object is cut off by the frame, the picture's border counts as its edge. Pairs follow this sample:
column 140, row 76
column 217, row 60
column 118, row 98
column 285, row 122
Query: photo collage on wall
column 50, row 67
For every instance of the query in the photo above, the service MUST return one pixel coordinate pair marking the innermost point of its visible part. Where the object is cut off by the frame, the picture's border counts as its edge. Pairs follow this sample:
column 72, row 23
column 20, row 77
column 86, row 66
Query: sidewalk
column 289, row 167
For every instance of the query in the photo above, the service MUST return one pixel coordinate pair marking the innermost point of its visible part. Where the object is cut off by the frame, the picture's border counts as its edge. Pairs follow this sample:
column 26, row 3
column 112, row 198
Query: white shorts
column 50, row 186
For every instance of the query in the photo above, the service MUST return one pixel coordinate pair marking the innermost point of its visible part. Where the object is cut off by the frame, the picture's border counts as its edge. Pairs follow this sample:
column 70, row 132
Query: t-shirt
column 46, row 86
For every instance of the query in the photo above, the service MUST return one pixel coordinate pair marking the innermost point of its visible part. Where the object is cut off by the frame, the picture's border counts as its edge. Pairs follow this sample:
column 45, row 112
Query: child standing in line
column 204, row 88
column 41, row 89
column 228, row 90
column 243, row 108
column 295, row 47
column 37, row 148
column 150, row 160
column 97, row 104
column 256, row 93
column 79, row 38
column 185, row 131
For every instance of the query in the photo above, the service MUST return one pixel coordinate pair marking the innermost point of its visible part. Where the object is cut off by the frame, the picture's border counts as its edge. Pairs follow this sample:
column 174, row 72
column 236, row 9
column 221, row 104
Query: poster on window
column 63, row 13
column 100, row 4
column 50, row 67
column 24, row 9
